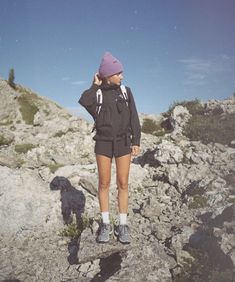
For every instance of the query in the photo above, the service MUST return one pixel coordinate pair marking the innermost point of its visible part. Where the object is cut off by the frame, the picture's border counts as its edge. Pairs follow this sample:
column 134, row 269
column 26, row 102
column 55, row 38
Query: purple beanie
column 109, row 65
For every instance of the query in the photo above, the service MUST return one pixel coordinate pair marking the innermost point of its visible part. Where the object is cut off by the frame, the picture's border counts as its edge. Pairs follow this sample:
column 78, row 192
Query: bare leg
column 104, row 170
column 123, row 168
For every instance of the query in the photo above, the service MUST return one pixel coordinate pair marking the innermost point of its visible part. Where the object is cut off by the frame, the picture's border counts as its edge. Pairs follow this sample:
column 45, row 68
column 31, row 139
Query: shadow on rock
column 210, row 262
column 108, row 266
column 72, row 200
column 72, row 203
column 147, row 158
column 11, row 280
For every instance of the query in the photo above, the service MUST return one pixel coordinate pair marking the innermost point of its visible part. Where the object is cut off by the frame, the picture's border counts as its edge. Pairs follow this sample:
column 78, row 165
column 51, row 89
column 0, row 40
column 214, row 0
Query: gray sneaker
column 104, row 232
column 122, row 232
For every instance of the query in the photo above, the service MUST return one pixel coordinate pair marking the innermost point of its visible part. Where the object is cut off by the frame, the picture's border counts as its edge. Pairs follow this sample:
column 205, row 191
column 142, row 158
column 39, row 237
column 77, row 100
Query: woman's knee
column 122, row 184
column 104, row 185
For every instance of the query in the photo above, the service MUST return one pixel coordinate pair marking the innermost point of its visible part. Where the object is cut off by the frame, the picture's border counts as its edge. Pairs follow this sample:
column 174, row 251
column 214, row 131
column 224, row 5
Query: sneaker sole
column 123, row 242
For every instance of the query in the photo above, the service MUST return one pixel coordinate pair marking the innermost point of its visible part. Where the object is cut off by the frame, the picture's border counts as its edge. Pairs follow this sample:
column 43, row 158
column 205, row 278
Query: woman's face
column 116, row 78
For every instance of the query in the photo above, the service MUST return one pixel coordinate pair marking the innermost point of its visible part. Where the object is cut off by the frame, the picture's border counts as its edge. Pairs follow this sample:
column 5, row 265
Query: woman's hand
column 97, row 79
column 135, row 150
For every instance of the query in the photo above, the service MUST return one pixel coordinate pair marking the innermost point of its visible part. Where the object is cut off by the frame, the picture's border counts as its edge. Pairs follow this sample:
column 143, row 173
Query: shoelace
column 124, row 229
column 104, row 228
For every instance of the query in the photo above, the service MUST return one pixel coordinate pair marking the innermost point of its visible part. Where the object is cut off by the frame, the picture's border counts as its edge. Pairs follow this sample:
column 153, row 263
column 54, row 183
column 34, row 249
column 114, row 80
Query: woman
column 117, row 135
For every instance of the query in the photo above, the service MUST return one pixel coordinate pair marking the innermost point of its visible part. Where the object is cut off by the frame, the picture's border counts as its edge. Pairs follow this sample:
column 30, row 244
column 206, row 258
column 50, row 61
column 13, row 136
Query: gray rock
column 176, row 187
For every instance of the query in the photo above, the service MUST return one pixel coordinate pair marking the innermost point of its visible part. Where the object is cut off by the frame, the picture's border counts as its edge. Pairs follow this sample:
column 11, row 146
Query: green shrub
column 24, row 148
column 151, row 127
column 11, row 78
column 211, row 128
column 207, row 126
column 75, row 229
column 194, row 107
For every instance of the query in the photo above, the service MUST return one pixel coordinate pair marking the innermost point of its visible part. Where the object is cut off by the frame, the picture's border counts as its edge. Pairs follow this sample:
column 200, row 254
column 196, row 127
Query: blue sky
column 172, row 50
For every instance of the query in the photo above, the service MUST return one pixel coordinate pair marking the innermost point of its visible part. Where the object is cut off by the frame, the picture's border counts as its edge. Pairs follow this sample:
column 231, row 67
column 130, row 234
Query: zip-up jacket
column 117, row 117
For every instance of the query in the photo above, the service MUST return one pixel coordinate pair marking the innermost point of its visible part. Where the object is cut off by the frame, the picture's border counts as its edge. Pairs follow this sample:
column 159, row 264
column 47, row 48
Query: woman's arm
column 135, row 123
column 88, row 98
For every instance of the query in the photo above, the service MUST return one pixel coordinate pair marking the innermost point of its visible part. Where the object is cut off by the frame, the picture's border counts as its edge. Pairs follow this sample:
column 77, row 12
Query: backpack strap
column 124, row 93
column 99, row 99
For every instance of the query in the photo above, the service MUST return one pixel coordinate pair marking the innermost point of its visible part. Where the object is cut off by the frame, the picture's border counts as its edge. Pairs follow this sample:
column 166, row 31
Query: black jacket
column 116, row 118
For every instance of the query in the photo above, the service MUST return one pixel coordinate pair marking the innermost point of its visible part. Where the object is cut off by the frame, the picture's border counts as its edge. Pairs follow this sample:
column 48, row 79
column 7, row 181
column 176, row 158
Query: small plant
column 11, row 78
column 59, row 133
column 24, row 148
column 199, row 201
column 53, row 167
column 85, row 155
column 4, row 141
column 71, row 231
column 75, row 229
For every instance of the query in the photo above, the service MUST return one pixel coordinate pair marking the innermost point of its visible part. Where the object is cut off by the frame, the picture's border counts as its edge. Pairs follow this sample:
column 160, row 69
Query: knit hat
column 109, row 65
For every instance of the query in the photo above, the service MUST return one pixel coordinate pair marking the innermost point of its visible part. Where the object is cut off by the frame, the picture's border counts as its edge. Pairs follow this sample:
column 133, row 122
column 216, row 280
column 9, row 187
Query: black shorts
column 110, row 148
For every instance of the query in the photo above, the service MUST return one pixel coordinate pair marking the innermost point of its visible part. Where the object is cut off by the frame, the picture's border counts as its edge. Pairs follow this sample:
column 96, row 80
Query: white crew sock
column 123, row 218
column 105, row 217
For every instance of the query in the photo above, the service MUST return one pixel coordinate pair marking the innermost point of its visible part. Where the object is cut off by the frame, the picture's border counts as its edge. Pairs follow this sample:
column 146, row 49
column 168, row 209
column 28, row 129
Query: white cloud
column 66, row 78
column 199, row 71
column 75, row 82
column 78, row 82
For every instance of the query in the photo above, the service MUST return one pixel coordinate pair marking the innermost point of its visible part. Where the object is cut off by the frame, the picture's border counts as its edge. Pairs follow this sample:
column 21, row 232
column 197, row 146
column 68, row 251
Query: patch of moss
column 199, row 201
column 29, row 104
column 53, row 167
column 46, row 112
column 24, row 148
column 6, row 122
column 4, row 141
column 59, row 133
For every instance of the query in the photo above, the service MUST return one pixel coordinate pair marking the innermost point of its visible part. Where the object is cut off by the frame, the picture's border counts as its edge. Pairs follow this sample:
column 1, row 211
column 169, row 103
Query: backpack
column 99, row 99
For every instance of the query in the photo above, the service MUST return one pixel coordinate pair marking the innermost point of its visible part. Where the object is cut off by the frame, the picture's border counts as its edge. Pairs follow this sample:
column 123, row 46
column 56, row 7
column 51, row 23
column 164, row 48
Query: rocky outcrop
column 181, row 211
